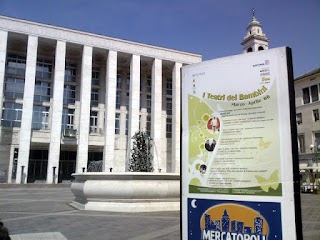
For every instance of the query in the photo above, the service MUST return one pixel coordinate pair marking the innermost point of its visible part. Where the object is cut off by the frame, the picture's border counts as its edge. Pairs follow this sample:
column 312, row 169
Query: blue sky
column 213, row 28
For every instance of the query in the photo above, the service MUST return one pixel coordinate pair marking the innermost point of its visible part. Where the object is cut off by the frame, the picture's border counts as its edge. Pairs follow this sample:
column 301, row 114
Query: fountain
column 125, row 191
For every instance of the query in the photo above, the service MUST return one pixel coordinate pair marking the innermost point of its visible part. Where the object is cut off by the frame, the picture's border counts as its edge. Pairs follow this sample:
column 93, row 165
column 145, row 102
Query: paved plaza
column 43, row 212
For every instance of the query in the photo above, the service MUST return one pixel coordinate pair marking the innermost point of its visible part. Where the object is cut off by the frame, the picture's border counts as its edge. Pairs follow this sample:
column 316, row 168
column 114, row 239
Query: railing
column 70, row 133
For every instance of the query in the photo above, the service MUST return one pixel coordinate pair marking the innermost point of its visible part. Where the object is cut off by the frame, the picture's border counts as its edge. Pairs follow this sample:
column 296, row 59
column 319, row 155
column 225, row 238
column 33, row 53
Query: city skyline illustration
column 234, row 226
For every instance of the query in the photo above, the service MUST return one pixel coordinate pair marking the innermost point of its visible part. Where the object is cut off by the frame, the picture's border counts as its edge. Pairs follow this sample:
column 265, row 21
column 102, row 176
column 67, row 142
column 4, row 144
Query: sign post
column 240, row 173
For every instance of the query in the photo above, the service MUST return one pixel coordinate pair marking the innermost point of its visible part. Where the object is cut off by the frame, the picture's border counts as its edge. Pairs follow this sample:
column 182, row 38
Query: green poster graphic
column 234, row 145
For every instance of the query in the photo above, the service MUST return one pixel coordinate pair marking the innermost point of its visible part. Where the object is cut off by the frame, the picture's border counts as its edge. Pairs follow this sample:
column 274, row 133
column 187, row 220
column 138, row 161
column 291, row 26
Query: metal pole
column 22, row 175
column 54, row 175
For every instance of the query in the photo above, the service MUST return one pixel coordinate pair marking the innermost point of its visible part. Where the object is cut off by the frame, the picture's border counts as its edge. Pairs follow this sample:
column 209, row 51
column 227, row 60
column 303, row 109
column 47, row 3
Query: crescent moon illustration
column 193, row 203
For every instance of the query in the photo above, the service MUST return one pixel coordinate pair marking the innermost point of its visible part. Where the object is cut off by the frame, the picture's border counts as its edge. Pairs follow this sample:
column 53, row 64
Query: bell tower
column 255, row 40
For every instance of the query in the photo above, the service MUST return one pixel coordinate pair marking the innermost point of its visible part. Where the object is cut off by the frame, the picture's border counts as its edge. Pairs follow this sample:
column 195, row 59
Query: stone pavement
column 42, row 212
column 310, row 208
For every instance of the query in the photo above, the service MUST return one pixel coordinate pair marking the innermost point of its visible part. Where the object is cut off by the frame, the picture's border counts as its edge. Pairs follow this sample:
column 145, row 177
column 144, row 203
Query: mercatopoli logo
column 233, row 222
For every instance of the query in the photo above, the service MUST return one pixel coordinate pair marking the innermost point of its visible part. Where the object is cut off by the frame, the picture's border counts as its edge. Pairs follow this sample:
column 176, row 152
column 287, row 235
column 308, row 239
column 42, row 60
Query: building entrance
column 37, row 170
column 67, row 165
column 38, row 163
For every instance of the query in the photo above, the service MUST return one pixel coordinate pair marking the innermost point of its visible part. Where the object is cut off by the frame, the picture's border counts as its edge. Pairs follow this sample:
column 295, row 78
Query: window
column 93, row 122
column 169, row 106
column 299, row 118
column 306, row 95
column 127, row 124
column 94, row 97
column 16, row 65
column 127, row 93
column 260, row 48
column 127, row 100
column 40, row 117
column 316, row 115
column 317, row 140
column 70, row 74
column 11, row 115
column 148, row 130
column 301, row 144
column 310, row 94
column 69, row 94
column 149, row 103
column 149, row 84
column 67, row 118
column 119, row 81
column 118, row 100
column 250, row 48
column 42, row 92
column 13, row 88
column 44, row 69
column 128, row 82
column 95, row 76
column 314, row 93
column 117, row 124
column 169, row 128
column 169, row 87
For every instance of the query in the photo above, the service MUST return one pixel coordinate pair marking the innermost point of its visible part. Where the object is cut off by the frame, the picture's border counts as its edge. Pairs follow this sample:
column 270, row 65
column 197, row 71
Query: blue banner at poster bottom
column 233, row 220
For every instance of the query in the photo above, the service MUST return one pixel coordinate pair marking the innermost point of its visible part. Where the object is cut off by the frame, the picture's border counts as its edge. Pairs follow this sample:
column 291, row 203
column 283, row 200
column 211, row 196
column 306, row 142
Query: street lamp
column 316, row 153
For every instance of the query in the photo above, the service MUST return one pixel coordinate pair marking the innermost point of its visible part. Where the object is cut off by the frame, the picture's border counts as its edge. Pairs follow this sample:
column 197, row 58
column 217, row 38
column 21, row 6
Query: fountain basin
column 126, row 192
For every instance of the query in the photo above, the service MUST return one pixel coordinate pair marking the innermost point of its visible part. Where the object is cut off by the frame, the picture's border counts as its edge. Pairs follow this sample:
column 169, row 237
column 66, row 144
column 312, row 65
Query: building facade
column 307, row 94
column 71, row 97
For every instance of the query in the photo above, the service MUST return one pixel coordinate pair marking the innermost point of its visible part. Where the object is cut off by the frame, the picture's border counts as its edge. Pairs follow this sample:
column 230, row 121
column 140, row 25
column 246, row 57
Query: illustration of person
column 213, row 124
column 210, row 144
column 203, row 169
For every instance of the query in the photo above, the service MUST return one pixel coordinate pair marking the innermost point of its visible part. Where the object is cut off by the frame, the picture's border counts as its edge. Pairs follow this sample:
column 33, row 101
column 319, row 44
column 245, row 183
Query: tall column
column 3, row 54
column 123, row 101
column 9, row 175
column 27, row 110
column 101, row 105
column 57, row 107
column 85, row 96
column 176, row 86
column 134, row 99
column 156, row 115
column 110, row 106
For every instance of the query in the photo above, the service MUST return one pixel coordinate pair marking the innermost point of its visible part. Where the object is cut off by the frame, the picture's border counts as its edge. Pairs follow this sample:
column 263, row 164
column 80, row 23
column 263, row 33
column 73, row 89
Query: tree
column 141, row 157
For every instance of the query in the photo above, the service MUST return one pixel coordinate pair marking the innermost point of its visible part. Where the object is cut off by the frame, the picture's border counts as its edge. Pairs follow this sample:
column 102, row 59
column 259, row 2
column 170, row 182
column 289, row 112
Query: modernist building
column 69, row 97
column 307, row 92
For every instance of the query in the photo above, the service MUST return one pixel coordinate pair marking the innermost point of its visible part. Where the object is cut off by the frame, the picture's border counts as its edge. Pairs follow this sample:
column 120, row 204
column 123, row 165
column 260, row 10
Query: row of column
column 85, row 95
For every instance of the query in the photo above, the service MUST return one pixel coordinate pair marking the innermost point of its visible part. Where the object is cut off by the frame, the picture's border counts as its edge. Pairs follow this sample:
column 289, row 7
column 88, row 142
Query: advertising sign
column 217, row 219
column 237, row 152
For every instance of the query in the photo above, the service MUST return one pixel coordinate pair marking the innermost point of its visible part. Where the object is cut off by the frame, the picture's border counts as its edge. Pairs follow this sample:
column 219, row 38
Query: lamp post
column 316, row 154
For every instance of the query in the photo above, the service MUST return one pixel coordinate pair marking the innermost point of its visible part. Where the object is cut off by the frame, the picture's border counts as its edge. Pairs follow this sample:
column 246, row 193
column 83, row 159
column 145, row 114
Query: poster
column 220, row 219
column 238, row 148
column 234, row 133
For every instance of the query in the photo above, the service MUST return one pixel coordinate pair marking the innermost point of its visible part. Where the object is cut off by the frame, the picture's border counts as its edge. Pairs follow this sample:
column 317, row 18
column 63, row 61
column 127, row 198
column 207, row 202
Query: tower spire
column 255, row 39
